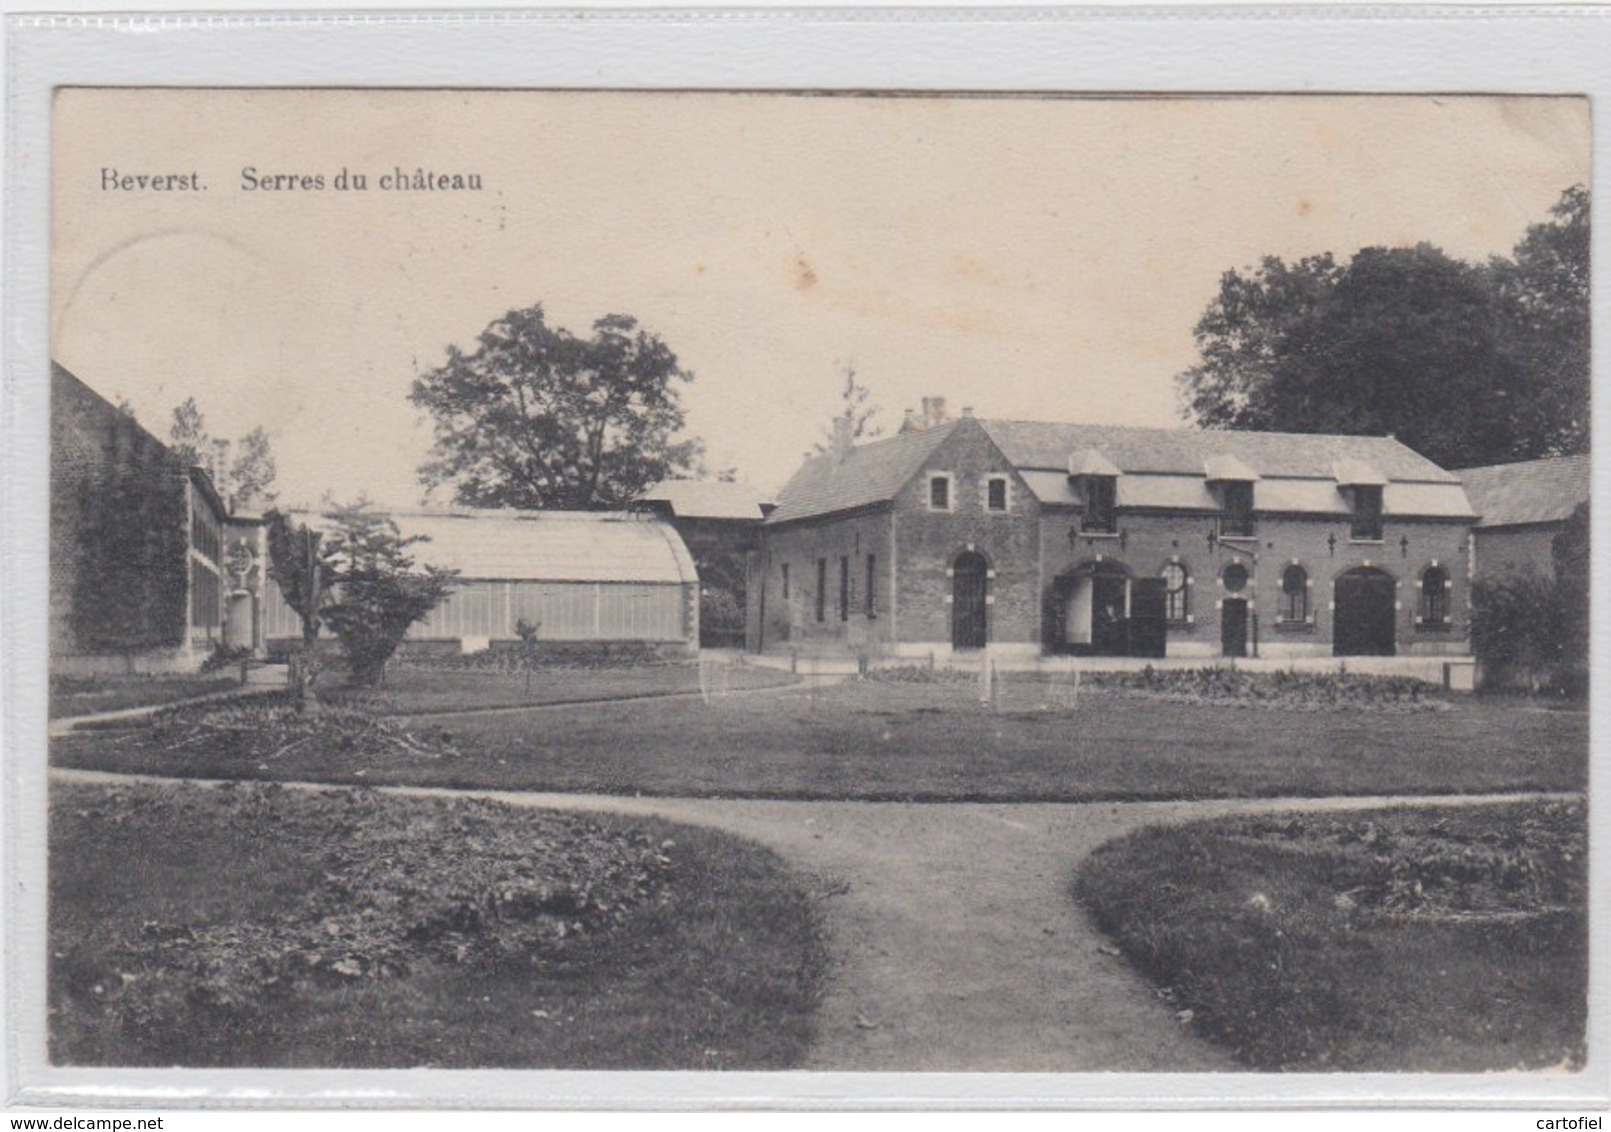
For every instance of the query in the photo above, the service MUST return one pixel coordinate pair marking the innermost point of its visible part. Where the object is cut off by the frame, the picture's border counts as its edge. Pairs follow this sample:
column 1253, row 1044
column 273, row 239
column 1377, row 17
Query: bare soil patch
column 261, row 926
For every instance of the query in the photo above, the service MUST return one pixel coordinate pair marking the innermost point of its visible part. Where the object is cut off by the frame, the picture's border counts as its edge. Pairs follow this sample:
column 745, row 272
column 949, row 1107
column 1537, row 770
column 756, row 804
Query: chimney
column 910, row 424
column 967, row 410
column 936, row 410
column 842, row 439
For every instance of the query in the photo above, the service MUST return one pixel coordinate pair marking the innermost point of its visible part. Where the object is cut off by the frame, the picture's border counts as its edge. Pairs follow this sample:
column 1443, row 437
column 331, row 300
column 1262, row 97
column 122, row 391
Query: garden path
column 957, row 944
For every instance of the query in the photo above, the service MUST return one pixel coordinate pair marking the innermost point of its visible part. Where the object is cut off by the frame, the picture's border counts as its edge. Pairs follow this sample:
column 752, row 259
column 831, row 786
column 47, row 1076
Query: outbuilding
column 575, row 575
column 1041, row 537
column 1522, row 507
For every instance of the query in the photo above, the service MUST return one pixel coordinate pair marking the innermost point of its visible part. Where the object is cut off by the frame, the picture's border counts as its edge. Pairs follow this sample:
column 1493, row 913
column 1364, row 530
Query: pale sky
column 1033, row 258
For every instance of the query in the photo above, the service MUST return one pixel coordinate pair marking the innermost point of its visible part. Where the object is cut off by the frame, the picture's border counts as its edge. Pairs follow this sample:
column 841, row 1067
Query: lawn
column 87, row 695
column 931, row 742
column 293, row 928
column 1419, row 940
column 414, row 690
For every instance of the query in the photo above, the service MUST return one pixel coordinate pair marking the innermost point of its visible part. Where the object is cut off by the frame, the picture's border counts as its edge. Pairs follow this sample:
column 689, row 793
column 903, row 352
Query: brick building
column 721, row 525
column 148, row 571
column 1521, row 507
column 1058, row 538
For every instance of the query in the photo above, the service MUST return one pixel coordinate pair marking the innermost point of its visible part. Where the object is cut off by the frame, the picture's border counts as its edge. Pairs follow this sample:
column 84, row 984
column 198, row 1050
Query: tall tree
column 1466, row 364
column 536, row 417
column 1545, row 290
column 187, row 434
column 252, row 472
column 243, row 473
column 854, row 421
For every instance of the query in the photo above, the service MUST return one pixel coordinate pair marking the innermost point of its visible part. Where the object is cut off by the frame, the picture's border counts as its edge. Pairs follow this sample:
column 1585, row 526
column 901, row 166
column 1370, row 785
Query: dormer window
column 1366, row 523
column 1101, row 504
column 1236, row 513
column 1233, row 482
column 1363, row 484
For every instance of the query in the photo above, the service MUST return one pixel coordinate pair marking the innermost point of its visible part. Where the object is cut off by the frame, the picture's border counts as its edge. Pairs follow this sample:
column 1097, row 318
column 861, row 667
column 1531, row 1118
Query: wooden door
column 1233, row 627
column 1149, row 634
column 970, row 582
column 1364, row 613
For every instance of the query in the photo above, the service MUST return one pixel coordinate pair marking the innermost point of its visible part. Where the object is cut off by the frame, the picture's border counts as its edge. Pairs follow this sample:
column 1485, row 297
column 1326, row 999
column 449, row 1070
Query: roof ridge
column 1195, row 430
column 1512, row 465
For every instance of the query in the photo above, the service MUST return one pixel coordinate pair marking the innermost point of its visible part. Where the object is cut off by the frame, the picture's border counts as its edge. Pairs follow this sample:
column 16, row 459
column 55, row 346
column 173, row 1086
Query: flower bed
column 1290, row 691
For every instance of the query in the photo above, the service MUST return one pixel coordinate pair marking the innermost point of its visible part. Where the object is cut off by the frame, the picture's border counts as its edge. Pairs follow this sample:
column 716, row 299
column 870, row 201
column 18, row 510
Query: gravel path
column 958, row 946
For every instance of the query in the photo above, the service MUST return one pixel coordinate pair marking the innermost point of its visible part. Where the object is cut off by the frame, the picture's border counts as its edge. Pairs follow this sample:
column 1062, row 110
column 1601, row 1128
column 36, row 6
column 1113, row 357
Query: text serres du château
column 397, row 179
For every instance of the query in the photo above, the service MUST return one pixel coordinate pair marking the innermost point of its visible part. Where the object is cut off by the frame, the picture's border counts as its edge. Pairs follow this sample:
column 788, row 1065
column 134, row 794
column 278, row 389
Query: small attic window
column 1366, row 525
column 1236, row 516
column 1101, row 504
column 940, row 492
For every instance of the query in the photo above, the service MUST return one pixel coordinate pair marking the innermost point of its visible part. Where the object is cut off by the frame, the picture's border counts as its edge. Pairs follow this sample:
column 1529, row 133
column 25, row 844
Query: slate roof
column 1534, row 491
column 709, row 499
column 1184, row 451
column 869, row 473
column 1163, row 467
column 550, row 546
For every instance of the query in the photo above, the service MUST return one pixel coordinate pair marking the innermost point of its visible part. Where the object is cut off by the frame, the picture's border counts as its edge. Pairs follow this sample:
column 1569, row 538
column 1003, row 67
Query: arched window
column 1434, row 596
column 1294, row 594
column 1176, row 592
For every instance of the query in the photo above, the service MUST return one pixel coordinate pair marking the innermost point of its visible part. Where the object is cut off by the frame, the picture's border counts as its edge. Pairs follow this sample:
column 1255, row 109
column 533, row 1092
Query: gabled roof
column 1533, row 491
column 545, row 546
column 867, row 474
column 1159, row 467
column 1185, row 451
column 709, row 499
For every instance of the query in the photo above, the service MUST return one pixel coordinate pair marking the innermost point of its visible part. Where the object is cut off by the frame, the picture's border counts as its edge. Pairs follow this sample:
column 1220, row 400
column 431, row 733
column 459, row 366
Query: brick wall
column 1516, row 548
column 928, row 542
column 1150, row 541
column 797, row 548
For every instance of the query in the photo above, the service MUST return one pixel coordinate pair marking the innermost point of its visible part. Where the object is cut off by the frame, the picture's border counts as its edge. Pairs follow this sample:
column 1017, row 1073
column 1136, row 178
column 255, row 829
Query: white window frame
column 950, row 492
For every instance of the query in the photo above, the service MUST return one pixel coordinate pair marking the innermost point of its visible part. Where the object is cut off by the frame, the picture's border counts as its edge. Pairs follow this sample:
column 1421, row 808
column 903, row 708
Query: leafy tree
column 243, row 473
column 297, row 565
column 854, row 420
column 187, row 434
column 1466, row 364
column 379, row 590
column 252, row 472
column 1545, row 290
column 536, row 417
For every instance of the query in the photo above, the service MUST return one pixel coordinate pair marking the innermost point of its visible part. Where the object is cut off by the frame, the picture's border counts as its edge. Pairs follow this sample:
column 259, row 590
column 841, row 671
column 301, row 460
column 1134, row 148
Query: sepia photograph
column 827, row 581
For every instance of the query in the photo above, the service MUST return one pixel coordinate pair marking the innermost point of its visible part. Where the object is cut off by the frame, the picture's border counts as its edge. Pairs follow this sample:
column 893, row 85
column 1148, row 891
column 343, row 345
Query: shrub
column 378, row 590
column 223, row 656
column 506, row 656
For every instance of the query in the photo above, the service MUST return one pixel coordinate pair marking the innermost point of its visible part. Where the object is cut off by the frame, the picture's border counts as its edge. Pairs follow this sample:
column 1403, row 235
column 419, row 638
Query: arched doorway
column 1363, row 616
column 1098, row 609
column 970, row 583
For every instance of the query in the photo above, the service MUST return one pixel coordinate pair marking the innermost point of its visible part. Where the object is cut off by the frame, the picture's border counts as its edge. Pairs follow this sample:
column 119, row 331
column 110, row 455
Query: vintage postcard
column 742, row 581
